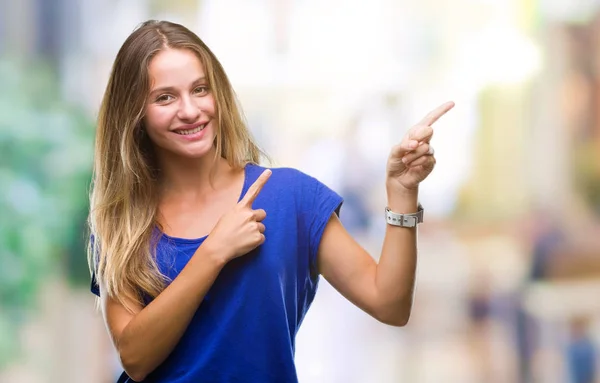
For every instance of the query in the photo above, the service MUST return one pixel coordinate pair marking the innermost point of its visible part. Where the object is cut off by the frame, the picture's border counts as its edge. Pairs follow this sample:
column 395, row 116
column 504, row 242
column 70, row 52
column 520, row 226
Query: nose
column 189, row 111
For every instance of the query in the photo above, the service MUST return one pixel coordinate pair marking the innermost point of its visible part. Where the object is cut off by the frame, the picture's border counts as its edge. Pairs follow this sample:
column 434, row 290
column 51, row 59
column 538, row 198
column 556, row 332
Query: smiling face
column 180, row 109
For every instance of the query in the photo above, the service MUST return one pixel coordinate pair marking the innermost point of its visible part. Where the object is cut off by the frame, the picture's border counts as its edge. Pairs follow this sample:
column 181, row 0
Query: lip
column 191, row 137
column 189, row 126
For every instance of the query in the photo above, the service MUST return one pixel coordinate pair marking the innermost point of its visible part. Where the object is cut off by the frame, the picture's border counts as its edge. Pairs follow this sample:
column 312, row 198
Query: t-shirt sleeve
column 94, row 287
column 319, row 202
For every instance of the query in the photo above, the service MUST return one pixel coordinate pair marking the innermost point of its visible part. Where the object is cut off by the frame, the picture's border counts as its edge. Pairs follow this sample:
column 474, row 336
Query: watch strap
column 404, row 220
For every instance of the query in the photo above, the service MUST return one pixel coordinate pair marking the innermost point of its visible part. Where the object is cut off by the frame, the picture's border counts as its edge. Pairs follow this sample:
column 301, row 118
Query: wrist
column 402, row 200
column 218, row 257
column 393, row 186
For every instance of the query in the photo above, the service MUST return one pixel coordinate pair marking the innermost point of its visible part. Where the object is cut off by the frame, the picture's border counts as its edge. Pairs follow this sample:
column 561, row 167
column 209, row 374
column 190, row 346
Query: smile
column 191, row 131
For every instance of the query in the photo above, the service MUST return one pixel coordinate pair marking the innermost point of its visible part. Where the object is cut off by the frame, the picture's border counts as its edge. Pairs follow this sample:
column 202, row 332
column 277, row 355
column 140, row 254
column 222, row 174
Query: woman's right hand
column 240, row 230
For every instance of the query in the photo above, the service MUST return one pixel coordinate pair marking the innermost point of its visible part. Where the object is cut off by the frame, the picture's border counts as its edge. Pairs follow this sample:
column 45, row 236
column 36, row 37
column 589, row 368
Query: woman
column 204, row 261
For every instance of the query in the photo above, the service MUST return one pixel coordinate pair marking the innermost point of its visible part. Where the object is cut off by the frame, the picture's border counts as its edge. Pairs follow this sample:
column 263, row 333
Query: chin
column 199, row 150
column 198, row 154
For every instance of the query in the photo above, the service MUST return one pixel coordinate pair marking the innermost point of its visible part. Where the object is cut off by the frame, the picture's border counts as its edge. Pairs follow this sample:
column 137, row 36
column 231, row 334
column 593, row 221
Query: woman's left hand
column 411, row 161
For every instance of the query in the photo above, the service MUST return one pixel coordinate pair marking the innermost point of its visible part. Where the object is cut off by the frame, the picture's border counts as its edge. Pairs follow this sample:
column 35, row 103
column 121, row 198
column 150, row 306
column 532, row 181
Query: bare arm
column 395, row 277
column 383, row 290
column 145, row 338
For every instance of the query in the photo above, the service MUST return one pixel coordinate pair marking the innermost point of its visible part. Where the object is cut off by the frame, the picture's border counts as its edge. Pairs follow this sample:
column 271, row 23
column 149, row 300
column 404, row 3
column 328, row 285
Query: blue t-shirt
column 244, row 330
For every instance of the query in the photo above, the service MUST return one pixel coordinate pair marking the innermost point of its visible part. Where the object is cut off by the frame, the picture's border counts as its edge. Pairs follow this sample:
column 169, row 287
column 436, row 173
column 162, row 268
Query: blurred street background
column 508, row 287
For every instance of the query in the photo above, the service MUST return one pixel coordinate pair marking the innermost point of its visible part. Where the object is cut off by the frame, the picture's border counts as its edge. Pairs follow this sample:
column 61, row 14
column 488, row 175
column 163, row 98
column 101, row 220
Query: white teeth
column 191, row 131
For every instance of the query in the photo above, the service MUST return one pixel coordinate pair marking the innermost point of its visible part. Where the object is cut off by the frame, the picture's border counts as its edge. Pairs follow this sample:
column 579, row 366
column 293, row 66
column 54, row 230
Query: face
column 180, row 107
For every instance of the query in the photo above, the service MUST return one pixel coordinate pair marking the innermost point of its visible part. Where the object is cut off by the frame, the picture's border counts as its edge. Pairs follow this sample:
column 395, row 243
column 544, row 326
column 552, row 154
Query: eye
column 164, row 98
column 201, row 90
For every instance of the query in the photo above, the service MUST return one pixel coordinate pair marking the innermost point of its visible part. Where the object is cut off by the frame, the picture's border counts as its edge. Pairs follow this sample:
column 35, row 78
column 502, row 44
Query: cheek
column 157, row 118
column 208, row 105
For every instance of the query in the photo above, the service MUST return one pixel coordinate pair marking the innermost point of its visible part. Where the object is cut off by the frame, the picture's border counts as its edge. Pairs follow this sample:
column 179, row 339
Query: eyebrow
column 170, row 88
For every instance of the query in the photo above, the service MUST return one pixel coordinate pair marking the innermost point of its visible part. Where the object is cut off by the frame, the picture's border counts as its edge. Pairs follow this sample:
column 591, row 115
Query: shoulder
column 284, row 178
column 290, row 185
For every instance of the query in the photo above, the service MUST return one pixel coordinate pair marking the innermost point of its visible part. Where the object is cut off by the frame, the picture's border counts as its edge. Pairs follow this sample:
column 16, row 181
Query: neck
column 185, row 176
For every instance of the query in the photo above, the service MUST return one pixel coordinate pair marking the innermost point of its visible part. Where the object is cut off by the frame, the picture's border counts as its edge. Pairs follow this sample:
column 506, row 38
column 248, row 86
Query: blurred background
column 509, row 268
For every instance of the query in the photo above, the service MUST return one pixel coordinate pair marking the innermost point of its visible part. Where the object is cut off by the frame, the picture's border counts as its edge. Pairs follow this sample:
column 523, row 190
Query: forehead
column 175, row 66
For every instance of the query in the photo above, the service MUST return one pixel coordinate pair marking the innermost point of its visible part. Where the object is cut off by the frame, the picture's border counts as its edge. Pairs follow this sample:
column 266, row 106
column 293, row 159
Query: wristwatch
column 404, row 220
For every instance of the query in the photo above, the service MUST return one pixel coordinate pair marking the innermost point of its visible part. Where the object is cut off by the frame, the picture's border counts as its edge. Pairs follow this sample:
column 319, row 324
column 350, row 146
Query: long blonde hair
column 124, row 196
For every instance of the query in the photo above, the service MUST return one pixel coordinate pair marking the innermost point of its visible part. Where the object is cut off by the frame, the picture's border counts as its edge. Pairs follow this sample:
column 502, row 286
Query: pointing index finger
column 435, row 114
column 255, row 188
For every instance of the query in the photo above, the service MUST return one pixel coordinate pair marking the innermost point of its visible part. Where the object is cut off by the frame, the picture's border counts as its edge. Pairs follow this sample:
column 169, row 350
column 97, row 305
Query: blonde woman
column 204, row 261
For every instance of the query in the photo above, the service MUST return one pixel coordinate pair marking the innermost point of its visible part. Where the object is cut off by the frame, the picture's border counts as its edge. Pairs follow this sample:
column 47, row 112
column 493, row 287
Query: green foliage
column 45, row 167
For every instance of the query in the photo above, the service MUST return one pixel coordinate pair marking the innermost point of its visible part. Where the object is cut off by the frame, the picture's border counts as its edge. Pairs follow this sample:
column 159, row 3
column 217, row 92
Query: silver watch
column 404, row 220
